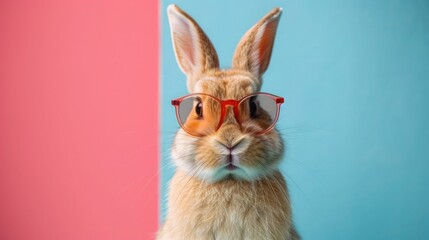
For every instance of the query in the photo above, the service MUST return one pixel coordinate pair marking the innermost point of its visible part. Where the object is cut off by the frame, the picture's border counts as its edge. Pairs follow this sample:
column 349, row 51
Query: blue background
column 355, row 76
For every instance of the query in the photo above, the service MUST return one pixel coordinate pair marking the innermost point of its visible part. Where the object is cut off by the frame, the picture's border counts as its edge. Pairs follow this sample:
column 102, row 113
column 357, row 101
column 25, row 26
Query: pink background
column 78, row 119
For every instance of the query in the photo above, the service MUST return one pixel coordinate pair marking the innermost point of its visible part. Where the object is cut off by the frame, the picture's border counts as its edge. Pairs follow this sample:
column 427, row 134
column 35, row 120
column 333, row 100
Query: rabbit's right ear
column 194, row 51
column 253, row 52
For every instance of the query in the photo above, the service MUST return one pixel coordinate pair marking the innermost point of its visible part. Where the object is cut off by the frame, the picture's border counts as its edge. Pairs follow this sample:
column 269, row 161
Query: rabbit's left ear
column 194, row 51
column 253, row 52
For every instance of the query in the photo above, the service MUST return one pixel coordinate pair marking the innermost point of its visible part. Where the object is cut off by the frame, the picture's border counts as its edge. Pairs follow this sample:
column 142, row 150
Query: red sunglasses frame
column 228, row 102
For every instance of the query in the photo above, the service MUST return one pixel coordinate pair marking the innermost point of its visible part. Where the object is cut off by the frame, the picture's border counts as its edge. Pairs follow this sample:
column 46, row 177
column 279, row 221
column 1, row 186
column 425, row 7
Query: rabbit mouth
column 230, row 160
column 231, row 167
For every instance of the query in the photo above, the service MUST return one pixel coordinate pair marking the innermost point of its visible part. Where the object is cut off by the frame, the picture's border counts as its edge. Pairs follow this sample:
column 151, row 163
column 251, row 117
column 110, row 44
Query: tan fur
column 206, row 201
column 228, row 210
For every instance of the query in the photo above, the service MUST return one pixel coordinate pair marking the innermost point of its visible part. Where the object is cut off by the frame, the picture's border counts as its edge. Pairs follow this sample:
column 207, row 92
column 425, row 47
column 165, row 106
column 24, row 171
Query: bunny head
column 234, row 149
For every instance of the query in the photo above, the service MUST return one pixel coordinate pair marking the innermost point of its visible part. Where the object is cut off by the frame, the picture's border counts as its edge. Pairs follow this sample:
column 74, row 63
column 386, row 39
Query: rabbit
column 250, row 202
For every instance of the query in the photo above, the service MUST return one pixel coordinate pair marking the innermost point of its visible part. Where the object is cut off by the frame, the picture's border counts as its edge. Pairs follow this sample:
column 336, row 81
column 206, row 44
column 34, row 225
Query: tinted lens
column 258, row 112
column 199, row 114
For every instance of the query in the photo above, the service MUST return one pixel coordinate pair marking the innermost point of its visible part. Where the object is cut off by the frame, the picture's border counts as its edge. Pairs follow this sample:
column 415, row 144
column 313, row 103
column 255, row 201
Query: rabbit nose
column 233, row 145
column 229, row 135
column 230, row 146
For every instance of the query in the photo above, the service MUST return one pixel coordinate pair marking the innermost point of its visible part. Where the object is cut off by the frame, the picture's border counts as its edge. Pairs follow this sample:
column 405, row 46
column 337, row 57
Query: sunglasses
column 201, row 114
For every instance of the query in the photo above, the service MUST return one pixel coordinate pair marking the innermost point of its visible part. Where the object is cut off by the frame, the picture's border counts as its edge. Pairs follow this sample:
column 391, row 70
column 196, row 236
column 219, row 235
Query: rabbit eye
column 253, row 107
column 199, row 109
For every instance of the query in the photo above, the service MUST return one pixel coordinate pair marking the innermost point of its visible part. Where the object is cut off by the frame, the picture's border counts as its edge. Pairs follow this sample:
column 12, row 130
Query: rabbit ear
column 194, row 51
column 253, row 52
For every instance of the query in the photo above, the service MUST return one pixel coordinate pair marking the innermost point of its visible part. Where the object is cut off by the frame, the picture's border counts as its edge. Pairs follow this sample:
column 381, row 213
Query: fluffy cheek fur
column 193, row 156
column 262, row 156
column 203, row 158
